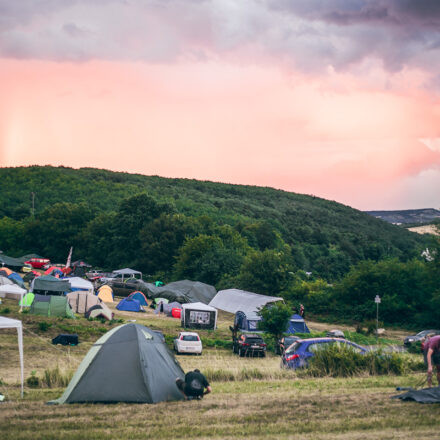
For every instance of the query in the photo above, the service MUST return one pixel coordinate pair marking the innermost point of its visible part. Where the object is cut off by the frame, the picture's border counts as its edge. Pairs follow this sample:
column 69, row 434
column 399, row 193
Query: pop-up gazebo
column 15, row 323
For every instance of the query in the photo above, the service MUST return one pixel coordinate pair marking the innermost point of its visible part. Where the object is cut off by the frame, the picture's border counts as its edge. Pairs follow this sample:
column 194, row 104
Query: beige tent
column 80, row 302
column 99, row 311
column 105, row 293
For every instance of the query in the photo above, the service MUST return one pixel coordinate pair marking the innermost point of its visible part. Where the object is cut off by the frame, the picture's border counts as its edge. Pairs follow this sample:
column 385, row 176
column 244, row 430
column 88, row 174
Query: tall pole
column 377, row 301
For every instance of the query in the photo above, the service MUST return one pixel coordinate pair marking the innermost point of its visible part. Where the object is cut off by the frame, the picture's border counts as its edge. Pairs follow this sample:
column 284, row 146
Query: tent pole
column 20, row 349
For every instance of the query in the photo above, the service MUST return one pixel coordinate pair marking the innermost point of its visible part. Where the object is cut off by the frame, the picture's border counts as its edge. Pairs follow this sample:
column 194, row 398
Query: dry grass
column 252, row 398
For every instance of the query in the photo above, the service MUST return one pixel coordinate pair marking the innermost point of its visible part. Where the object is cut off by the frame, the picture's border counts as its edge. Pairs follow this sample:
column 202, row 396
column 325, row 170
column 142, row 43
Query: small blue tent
column 130, row 305
column 17, row 279
column 247, row 322
column 297, row 325
column 140, row 297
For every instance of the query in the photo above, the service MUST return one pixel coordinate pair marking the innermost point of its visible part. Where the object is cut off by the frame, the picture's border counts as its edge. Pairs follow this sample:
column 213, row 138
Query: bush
column 54, row 378
column 342, row 361
column 44, row 326
column 32, row 381
column 5, row 311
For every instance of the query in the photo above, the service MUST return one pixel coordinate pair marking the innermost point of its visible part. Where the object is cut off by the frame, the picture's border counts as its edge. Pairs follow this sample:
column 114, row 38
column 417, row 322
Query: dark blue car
column 298, row 354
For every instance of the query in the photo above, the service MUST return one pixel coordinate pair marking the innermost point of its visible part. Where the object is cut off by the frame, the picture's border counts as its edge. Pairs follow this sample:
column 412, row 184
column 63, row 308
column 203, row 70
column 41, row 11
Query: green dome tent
column 130, row 363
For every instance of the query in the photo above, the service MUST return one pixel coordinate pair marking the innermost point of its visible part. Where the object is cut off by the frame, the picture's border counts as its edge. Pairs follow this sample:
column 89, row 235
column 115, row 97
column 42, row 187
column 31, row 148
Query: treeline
column 158, row 225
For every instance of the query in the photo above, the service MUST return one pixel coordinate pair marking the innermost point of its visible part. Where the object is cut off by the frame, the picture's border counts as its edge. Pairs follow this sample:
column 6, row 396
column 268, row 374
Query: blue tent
column 17, row 279
column 140, row 297
column 130, row 305
column 247, row 322
column 297, row 325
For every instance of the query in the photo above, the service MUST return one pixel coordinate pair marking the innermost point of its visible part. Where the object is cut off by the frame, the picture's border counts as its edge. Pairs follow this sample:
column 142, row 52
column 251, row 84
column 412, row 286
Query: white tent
column 12, row 291
column 235, row 300
column 15, row 323
column 198, row 315
column 128, row 273
column 78, row 283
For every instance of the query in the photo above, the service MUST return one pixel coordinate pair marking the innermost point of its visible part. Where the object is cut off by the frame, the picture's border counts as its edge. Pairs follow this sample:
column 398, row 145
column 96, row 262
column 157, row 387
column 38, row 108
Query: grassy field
column 252, row 398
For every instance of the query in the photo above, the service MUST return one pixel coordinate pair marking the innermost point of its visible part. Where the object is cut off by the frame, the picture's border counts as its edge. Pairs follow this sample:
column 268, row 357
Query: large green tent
column 51, row 306
column 130, row 363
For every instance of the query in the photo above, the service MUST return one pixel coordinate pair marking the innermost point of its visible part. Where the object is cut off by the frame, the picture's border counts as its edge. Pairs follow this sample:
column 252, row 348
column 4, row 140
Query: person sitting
column 195, row 385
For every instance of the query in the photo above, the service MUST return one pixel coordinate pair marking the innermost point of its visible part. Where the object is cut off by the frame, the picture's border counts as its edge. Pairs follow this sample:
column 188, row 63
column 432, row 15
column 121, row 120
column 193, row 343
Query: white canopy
column 234, row 300
column 15, row 323
column 127, row 271
column 198, row 306
column 12, row 291
column 78, row 283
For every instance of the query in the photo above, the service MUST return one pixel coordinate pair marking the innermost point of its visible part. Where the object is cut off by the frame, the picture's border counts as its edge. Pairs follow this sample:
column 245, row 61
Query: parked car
column 299, row 353
column 335, row 334
column 38, row 263
column 285, row 342
column 188, row 342
column 249, row 344
column 413, row 339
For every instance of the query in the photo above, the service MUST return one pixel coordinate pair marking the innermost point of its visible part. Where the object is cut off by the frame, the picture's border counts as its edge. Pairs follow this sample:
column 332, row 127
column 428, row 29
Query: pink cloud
column 339, row 137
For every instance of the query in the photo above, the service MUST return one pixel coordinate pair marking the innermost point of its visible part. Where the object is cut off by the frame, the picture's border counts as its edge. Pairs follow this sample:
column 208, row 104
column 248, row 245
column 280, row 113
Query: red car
column 37, row 263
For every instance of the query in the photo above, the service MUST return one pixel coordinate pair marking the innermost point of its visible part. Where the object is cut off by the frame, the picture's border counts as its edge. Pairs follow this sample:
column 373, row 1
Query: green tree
column 268, row 272
column 274, row 320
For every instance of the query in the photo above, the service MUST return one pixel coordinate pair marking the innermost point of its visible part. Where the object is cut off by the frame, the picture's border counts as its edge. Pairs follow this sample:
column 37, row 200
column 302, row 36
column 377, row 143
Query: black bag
column 65, row 339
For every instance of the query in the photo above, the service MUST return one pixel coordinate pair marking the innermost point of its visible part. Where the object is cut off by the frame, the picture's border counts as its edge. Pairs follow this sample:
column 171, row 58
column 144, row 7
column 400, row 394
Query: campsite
column 252, row 397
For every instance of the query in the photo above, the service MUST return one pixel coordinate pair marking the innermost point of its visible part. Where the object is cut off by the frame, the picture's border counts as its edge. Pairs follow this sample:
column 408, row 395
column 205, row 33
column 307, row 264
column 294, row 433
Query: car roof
column 189, row 333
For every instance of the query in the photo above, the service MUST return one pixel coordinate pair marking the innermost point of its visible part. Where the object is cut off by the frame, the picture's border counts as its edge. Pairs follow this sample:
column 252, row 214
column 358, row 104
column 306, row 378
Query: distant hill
column 324, row 236
column 407, row 216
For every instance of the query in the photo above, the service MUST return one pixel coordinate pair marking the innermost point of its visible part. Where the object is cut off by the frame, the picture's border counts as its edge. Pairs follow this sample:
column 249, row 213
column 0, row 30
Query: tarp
column 140, row 297
column 130, row 305
column 16, row 278
column 51, row 306
column 297, row 325
column 48, row 283
column 27, row 257
column 130, row 363
column 15, row 323
column 10, row 261
column 234, row 300
column 5, row 271
column 77, row 283
column 427, row 395
column 80, row 302
column 105, row 293
column 184, row 291
column 198, row 315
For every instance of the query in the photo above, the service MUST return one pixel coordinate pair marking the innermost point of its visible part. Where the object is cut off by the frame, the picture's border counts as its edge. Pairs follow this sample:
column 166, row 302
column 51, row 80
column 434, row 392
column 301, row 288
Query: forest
column 329, row 256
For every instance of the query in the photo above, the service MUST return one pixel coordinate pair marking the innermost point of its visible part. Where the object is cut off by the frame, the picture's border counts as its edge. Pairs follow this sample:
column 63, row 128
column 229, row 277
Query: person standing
column 431, row 353
column 195, row 385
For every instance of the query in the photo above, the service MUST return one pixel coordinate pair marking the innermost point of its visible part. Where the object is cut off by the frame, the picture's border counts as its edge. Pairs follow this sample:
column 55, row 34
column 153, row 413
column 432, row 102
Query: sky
column 339, row 99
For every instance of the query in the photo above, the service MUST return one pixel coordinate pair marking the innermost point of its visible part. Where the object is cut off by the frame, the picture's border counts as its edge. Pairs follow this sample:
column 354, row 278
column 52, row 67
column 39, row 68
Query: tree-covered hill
column 163, row 225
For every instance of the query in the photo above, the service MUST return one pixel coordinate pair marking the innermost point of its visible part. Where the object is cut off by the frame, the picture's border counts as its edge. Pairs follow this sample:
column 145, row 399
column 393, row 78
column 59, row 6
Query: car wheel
column 241, row 352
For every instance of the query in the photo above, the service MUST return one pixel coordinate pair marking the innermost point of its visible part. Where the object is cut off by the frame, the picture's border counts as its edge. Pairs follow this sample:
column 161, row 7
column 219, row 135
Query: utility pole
column 33, row 203
column 377, row 301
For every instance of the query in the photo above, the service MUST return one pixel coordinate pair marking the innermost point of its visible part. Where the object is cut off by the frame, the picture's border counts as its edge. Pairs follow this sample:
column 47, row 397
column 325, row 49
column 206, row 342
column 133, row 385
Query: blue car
column 298, row 354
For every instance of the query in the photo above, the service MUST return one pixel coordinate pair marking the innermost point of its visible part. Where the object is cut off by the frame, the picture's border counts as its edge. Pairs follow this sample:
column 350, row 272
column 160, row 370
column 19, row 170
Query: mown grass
column 252, row 397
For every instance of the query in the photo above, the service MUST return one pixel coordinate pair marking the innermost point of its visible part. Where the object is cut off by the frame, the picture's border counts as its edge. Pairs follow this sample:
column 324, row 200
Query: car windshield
column 424, row 332
column 190, row 338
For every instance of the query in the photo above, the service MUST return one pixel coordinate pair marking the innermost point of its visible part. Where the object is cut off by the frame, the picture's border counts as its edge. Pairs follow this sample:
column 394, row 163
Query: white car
column 188, row 342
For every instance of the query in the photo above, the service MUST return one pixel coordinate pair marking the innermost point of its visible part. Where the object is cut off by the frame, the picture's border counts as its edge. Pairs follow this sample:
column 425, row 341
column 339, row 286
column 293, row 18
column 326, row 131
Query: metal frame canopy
column 15, row 323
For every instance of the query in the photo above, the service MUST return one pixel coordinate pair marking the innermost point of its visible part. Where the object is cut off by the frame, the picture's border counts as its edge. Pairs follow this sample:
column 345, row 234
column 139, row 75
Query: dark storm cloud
column 308, row 34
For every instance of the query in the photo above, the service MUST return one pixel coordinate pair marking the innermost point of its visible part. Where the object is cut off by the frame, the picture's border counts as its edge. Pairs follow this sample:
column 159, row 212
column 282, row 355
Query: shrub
column 54, row 378
column 32, row 381
column 44, row 326
column 342, row 361
column 5, row 311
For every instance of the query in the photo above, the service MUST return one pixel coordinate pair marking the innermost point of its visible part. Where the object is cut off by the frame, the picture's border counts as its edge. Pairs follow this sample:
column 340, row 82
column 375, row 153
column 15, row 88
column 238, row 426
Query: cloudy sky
column 336, row 98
